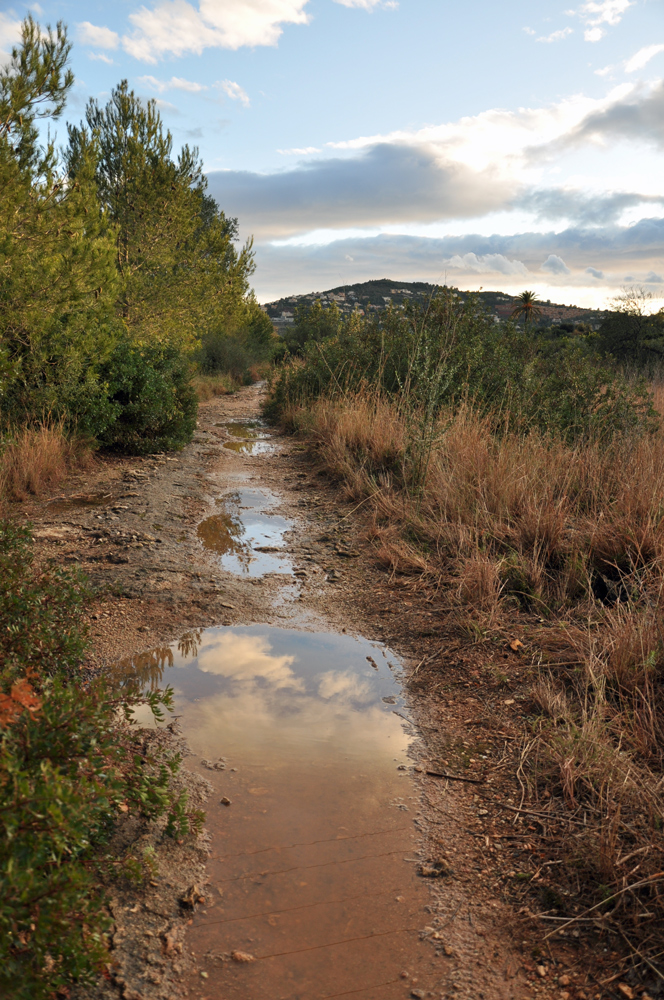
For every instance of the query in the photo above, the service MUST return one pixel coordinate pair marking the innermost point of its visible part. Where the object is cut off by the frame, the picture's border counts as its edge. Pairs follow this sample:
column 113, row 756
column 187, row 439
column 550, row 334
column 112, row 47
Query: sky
column 490, row 145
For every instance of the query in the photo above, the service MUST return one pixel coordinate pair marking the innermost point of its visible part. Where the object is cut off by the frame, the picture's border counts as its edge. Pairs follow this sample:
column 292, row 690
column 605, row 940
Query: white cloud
column 299, row 151
column 246, row 658
column 176, row 27
column 10, row 35
column 175, row 83
column 555, row 265
column 595, row 273
column 101, row 38
column 367, row 4
column 653, row 279
column 595, row 13
column 642, row 57
column 235, row 92
column 101, row 57
column 493, row 263
column 557, row 36
column 529, row 31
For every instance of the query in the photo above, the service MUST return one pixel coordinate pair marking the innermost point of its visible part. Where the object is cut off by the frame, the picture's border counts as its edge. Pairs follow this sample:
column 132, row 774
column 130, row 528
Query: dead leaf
column 516, row 645
column 22, row 697
column 626, row 991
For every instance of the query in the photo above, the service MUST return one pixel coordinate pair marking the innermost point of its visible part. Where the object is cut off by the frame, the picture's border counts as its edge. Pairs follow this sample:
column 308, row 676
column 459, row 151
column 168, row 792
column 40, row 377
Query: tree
column 528, row 306
column 633, row 333
column 313, row 322
column 178, row 266
column 57, row 274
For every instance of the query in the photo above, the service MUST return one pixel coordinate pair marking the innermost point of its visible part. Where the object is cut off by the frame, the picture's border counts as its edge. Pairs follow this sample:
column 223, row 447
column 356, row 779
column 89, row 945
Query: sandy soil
column 131, row 526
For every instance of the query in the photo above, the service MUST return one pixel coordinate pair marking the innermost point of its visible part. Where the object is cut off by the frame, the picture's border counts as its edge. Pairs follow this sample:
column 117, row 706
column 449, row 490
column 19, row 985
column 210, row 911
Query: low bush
column 69, row 768
column 150, row 385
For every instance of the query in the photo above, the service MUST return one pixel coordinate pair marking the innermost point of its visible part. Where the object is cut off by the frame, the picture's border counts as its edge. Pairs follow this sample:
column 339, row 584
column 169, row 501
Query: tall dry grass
column 569, row 540
column 35, row 459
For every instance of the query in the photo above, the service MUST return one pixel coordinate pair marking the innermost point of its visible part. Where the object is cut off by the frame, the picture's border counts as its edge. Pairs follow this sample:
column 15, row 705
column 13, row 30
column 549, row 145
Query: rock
column 541, row 972
column 418, row 994
column 192, row 896
column 225, row 801
column 564, row 980
column 435, row 869
column 242, row 956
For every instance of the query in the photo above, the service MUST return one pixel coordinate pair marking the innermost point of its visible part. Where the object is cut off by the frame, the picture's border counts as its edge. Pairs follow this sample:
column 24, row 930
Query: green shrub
column 69, row 768
column 451, row 354
column 150, row 384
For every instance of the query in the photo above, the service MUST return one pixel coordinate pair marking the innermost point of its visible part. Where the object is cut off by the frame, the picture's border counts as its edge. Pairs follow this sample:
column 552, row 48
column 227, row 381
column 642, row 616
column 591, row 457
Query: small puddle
column 308, row 869
column 252, row 438
column 245, row 535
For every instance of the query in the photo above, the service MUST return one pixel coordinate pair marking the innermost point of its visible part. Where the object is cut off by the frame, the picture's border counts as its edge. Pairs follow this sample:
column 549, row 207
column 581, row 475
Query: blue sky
column 497, row 145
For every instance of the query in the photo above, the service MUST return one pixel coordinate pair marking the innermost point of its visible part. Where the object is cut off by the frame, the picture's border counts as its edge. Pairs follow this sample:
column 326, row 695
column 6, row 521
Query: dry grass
column 569, row 540
column 36, row 459
column 209, row 386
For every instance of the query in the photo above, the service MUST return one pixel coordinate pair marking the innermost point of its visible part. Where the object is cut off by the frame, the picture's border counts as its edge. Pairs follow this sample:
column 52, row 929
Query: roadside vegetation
column 124, row 298
column 517, row 476
column 123, row 286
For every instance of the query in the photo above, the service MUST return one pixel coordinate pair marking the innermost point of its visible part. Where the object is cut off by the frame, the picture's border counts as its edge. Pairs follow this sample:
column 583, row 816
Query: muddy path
column 333, row 864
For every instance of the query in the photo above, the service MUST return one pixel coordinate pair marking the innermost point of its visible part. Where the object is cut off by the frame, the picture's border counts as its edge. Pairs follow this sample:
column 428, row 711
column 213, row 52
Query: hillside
column 378, row 294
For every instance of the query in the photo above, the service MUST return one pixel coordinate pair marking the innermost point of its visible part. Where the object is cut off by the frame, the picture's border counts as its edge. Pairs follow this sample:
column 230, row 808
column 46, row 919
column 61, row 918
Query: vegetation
column 527, row 308
column 117, row 270
column 517, row 480
column 69, row 769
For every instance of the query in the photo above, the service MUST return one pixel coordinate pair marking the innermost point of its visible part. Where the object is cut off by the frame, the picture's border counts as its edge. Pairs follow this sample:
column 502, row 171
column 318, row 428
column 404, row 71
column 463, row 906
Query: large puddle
column 311, row 889
column 246, row 535
column 251, row 438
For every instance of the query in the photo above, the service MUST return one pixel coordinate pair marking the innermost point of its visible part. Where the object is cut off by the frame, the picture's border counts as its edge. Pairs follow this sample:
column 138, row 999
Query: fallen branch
column 454, row 777
column 531, row 812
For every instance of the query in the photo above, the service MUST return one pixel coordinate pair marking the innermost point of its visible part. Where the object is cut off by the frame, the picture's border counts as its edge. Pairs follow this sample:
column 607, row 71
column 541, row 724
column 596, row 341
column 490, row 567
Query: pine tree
column 175, row 255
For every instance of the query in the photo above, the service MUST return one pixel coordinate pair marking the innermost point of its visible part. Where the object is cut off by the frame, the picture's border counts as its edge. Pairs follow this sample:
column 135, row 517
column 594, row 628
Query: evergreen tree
column 57, row 275
column 178, row 266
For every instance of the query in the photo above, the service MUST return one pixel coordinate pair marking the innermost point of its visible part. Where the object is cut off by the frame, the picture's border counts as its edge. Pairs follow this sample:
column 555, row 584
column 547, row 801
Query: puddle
column 252, row 438
column 242, row 527
column 307, row 869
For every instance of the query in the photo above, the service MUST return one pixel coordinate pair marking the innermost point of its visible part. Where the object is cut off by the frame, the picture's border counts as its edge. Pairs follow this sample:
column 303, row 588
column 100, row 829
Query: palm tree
column 527, row 306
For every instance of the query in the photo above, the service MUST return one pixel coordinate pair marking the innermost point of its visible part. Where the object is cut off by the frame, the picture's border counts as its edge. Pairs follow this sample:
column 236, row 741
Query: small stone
column 541, row 972
column 564, row 980
column 626, row 991
column 204, row 975
column 242, row 956
column 225, row 801
column 418, row 994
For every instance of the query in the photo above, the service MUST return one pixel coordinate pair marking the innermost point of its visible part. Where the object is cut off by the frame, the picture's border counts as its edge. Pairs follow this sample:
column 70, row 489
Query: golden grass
column 209, row 386
column 568, row 540
column 35, row 459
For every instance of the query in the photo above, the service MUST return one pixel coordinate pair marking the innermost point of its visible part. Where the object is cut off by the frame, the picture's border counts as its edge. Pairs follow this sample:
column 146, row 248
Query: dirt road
column 239, row 532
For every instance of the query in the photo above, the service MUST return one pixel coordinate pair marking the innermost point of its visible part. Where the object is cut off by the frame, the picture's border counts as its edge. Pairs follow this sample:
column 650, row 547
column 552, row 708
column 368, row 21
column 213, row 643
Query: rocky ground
column 131, row 525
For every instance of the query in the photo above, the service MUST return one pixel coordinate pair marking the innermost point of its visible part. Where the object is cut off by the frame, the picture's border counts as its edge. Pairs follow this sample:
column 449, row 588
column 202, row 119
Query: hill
column 380, row 293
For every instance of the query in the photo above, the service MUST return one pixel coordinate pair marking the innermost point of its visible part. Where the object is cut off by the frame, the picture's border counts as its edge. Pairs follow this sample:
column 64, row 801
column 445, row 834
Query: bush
column 151, row 386
column 69, row 767
column 452, row 354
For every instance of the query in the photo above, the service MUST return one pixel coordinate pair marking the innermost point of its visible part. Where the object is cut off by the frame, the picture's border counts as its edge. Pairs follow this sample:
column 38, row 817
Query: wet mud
column 311, row 875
